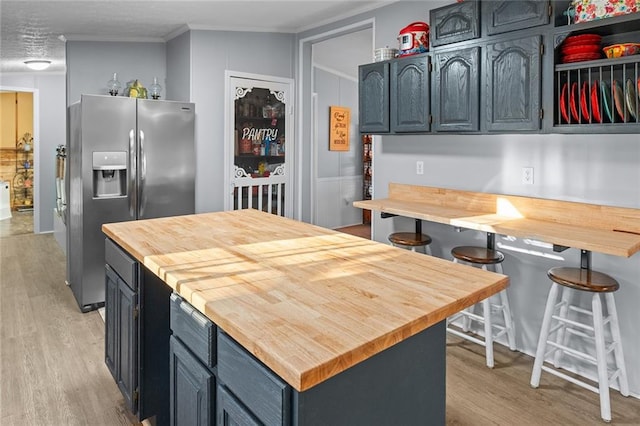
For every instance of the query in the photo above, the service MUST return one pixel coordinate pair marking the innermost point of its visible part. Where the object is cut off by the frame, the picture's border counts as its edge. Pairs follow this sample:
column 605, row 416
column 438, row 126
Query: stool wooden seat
column 557, row 314
column 583, row 279
column 484, row 257
column 477, row 255
column 411, row 240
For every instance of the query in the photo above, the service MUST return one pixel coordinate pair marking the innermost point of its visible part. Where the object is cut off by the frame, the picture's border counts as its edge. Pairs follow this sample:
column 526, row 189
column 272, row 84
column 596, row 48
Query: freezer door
column 166, row 160
column 99, row 124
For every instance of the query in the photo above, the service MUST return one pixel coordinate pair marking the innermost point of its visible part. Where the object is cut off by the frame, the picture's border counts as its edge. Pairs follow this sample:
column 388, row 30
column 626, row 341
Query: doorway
column 17, row 165
column 259, row 143
column 336, row 177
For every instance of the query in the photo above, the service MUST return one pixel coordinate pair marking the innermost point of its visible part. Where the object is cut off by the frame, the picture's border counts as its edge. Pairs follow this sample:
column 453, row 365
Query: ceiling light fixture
column 38, row 64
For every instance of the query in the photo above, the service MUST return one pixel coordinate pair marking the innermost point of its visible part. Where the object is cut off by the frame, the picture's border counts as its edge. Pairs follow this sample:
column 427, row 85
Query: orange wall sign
column 339, row 123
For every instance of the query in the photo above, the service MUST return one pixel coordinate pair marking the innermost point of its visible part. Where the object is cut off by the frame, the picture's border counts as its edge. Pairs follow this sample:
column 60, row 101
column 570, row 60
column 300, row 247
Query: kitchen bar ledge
column 306, row 301
column 604, row 229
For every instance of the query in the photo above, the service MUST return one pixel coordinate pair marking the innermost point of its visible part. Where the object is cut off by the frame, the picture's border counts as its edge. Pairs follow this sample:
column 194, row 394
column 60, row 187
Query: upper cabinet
column 504, row 16
column 373, row 90
column 513, row 84
column 455, row 22
column 410, row 98
column 456, row 90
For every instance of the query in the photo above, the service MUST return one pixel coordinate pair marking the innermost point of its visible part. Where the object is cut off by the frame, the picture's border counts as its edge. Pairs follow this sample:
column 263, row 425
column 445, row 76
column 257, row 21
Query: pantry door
column 259, row 145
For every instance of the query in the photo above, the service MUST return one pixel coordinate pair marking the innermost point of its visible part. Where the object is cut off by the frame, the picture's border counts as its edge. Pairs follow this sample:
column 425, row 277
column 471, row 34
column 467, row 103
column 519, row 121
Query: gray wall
column 52, row 113
column 91, row 64
column 212, row 53
column 178, row 83
column 338, row 174
column 602, row 169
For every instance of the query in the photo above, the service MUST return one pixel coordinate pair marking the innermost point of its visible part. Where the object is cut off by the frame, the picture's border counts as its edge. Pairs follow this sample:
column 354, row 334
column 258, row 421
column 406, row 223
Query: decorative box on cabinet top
column 589, row 10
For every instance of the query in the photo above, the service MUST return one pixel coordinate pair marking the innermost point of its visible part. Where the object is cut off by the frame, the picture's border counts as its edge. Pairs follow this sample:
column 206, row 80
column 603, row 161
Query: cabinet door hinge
column 135, row 396
column 550, row 10
column 136, row 311
column 541, row 113
column 430, row 119
column 430, row 67
column 541, row 49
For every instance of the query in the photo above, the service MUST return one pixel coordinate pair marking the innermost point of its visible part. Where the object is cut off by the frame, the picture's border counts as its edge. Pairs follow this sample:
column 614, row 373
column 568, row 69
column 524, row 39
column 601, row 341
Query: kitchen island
column 347, row 330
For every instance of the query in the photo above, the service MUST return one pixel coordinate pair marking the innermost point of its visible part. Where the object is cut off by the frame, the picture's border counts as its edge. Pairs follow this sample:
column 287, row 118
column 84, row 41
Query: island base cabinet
column 191, row 388
column 402, row 385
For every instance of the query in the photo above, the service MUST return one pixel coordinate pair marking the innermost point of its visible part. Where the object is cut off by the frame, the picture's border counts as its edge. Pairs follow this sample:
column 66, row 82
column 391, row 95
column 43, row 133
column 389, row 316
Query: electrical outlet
column 527, row 175
column 419, row 167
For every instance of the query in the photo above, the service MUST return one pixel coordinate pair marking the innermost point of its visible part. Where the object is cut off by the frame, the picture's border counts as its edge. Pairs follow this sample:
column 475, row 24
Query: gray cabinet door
column 110, row 325
column 410, row 98
column 373, row 96
column 230, row 412
column 513, row 84
column 127, row 359
column 503, row 16
column 457, row 90
column 191, row 388
column 455, row 22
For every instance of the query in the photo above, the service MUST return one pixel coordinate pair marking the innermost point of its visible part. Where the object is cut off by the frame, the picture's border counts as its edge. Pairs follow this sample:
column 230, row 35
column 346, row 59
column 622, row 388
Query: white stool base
column 564, row 326
column 490, row 336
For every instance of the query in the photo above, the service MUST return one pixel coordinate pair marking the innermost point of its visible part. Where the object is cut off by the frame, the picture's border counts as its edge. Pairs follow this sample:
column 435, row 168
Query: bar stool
column 597, row 283
column 412, row 240
column 484, row 257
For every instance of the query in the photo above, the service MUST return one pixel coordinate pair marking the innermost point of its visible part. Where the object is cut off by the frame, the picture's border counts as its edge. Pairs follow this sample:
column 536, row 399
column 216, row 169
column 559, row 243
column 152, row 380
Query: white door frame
column 291, row 142
column 36, row 151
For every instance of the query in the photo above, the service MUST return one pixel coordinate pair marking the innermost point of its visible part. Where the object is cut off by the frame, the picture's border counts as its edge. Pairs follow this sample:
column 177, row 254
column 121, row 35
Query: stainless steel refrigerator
column 127, row 159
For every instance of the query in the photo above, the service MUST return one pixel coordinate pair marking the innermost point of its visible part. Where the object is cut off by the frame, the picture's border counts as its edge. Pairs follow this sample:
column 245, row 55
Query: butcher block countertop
column 604, row 229
column 306, row 301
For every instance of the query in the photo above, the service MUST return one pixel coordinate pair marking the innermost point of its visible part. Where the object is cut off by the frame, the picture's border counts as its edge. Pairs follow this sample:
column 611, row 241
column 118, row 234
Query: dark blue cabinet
column 121, row 335
column 410, row 98
column 513, row 72
column 373, row 88
column 191, row 386
column 455, row 22
column 457, row 90
column 508, row 15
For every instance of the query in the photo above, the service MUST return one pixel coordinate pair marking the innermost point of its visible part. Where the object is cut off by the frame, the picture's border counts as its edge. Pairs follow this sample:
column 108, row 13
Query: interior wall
column 91, row 64
column 338, row 179
column 178, row 82
column 212, row 53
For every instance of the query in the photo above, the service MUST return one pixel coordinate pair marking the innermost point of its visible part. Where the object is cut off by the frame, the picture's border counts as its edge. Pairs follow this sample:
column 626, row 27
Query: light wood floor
column 52, row 368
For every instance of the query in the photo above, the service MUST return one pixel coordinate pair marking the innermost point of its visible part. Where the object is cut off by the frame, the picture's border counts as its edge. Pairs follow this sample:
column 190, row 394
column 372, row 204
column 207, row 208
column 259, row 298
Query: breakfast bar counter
column 314, row 305
column 589, row 227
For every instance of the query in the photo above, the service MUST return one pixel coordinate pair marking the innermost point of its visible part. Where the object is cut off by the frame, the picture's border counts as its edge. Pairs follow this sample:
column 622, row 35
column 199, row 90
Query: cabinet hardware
column 541, row 49
column 541, row 113
column 550, row 10
column 135, row 312
column 135, row 396
column 430, row 119
column 430, row 67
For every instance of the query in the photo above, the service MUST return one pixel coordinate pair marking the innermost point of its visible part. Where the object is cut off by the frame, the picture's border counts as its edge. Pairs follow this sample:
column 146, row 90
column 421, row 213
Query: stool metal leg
column 615, row 334
column 544, row 335
column 601, row 357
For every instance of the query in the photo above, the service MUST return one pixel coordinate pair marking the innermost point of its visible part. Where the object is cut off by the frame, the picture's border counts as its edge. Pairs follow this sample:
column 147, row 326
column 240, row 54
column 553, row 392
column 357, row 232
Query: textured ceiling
column 33, row 29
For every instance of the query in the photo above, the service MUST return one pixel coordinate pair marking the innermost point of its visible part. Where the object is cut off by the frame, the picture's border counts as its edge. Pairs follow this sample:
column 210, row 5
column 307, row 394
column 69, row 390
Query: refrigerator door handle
column 132, row 174
column 143, row 174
